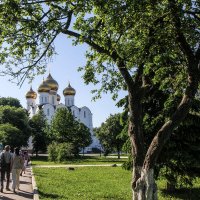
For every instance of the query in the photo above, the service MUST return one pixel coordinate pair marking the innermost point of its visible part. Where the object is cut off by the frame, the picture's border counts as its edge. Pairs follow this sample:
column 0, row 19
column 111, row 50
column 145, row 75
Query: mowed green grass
column 98, row 183
column 83, row 183
column 43, row 160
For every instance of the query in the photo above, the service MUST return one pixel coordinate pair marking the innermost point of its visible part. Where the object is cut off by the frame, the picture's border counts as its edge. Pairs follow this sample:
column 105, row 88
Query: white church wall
column 75, row 112
column 49, row 111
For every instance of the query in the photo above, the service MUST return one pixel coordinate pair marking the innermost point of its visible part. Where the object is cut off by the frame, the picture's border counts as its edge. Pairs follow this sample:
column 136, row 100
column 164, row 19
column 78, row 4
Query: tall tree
column 128, row 40
column 64, row 128
column 9, row 101
column 180, row 156
column 38, row 124
column 11, row 119
column 109, row 134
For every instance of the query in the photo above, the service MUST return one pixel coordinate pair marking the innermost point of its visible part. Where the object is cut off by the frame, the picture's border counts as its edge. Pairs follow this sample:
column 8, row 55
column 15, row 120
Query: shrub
column 59, row 152
column 64, row 151
column 52, row 154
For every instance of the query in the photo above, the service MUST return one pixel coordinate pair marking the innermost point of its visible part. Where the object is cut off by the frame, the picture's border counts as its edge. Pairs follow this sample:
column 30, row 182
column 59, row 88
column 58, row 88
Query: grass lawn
column 43, row 160
column 98, row 183
column 85, row 183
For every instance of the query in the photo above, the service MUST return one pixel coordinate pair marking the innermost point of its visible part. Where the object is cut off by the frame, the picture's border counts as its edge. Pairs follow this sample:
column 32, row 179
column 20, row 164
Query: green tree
column 38, row 124
column 11, row 135
column 109, row 134
column 17, row 118
column 129, row 40
column 180, row 156
column 64, row 128
column 9, row 101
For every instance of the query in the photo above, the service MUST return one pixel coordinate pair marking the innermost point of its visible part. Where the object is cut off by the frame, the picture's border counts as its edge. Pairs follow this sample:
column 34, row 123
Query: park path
column 88, row 165
column 26, row 189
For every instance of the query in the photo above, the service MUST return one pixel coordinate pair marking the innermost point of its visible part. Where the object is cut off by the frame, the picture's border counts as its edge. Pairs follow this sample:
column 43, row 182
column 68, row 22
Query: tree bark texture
column 146, row 188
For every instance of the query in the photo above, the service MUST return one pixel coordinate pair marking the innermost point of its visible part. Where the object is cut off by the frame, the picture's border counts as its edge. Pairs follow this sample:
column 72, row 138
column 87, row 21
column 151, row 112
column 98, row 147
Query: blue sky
column 63, row 69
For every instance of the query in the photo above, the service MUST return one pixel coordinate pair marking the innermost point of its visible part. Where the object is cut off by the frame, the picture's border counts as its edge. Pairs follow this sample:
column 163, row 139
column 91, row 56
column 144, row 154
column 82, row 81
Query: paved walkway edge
column 35, row 189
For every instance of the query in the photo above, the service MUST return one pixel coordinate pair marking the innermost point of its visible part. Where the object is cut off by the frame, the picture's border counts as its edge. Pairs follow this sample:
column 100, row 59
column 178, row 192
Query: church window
column 52, row 100
column 45, row 99
column 72, row 102
column 68, row 101
column 84, row 114
column 42, row 99
column 48, row 112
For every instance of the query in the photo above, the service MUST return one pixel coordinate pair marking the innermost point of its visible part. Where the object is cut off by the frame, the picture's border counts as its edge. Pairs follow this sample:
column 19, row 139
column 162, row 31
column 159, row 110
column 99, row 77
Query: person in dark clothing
column 5, row 166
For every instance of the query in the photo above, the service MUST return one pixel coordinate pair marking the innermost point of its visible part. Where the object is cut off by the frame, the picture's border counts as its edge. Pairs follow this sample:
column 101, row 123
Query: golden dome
column 69, row 91
column 31, row 94
column 51, row 83
column 44, row 87
column 58, row 97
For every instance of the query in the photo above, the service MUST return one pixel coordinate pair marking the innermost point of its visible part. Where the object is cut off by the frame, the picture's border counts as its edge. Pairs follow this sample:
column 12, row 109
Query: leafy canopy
column 136, row 32
column 11, row 119
column 64, row 128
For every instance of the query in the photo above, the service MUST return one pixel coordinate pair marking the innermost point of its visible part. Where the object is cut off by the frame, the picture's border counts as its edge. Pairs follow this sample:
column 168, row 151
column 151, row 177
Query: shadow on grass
column 183, row 193
column 49, row 195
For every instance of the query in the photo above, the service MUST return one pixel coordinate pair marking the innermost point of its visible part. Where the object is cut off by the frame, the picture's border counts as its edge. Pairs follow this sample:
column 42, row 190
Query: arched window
column 84, row 114
column 48, row 112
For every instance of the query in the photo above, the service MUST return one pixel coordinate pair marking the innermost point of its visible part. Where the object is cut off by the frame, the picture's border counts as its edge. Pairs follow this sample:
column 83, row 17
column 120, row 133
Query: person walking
column 26, row 159
column 17, row 164
column 5, row 167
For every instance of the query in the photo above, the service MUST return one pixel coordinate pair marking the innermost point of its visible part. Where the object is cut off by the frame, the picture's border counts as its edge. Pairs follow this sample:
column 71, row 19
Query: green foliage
column 9, row 101
column 38, row 124
column 134, row 45
column 180, row 161
column 14, row 118
column 59, row 152
column 52, row 155
column 136, row 31
column 109, row 134
column 10, row 135
column 64, row 128
column 64, row 151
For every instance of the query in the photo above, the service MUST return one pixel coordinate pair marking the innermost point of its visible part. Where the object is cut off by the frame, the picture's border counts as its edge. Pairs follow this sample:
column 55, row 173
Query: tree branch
column 29, row 67
column 180, row 36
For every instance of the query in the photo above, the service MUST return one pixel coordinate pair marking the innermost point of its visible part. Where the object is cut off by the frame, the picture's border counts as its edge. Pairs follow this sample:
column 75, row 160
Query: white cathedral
column 49, row 101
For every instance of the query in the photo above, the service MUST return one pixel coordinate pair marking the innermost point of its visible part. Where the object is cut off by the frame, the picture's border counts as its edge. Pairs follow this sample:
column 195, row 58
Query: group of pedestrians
column 15, row 163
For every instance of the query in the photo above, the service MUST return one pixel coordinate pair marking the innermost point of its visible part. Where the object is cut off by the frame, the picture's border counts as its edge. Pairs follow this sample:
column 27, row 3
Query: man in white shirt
column 5, row 166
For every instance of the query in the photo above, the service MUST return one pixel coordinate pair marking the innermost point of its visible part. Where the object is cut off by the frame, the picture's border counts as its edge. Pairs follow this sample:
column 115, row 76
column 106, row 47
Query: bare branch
column 29, row 67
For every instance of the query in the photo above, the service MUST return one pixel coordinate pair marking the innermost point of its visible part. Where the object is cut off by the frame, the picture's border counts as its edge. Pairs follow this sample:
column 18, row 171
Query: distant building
column 49, row 101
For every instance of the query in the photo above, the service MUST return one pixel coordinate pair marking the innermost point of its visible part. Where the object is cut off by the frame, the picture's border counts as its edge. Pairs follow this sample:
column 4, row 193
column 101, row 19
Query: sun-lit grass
column 43, row 160
column 96, row 183
column 88, row 183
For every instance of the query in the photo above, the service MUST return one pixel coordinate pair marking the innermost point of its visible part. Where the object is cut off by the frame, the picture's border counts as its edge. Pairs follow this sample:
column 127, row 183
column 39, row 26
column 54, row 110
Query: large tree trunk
column 146, row 188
